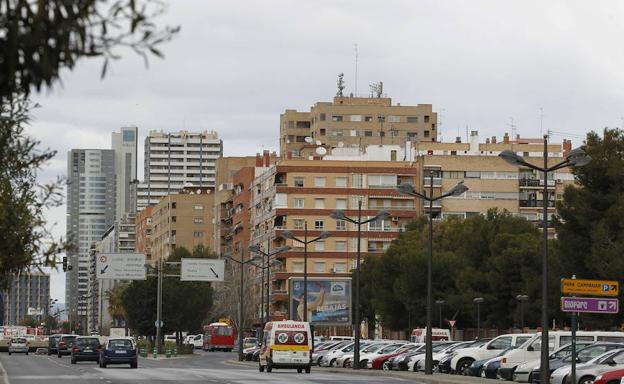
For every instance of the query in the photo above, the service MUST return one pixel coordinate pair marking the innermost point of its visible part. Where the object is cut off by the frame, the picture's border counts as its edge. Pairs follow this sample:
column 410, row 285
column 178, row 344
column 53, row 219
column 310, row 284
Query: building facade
column 28, row 294
column 182, row 220
column 354, row 122
column 175, row 160
column 144, row 232
column 124, row 144
column 91, row 199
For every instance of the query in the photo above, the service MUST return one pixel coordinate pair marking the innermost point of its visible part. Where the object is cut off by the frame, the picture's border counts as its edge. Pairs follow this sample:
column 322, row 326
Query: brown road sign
column 590, row 287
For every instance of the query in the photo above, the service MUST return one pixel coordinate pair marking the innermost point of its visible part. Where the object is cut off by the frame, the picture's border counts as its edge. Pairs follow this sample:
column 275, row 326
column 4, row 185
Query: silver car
column 587, row 372
column 18, row 345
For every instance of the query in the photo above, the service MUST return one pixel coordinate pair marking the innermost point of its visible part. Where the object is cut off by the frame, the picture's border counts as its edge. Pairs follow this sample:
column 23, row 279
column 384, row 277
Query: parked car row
column 600, row 356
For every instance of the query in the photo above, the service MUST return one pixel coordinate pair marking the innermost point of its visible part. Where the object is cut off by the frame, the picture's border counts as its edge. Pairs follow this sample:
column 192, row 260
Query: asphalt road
column 204, row 367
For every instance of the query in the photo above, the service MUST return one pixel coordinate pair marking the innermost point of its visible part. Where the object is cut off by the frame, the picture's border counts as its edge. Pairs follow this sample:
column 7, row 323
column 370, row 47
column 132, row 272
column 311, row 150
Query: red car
column 381, row 361
column 612, row 377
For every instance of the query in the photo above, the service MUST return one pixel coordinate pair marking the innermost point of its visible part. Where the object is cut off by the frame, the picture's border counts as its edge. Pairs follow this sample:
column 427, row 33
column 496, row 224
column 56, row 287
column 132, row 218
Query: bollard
column 175, row 352
column 168, row 353
column 155, row 352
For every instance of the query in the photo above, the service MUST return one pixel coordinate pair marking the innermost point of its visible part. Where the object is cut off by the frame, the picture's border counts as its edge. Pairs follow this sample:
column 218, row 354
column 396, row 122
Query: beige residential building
column 184, row 220
column 354, row 122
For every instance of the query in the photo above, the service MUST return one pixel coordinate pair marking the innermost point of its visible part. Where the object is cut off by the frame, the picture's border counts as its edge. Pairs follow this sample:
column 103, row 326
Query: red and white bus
column 219, row 336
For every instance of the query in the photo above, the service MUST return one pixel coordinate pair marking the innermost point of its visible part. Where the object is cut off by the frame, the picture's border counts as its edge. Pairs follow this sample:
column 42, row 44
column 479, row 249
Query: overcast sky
column 235, row 66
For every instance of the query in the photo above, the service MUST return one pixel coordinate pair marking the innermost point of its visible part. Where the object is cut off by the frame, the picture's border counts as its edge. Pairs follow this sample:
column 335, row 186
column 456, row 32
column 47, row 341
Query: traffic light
column 64, row 263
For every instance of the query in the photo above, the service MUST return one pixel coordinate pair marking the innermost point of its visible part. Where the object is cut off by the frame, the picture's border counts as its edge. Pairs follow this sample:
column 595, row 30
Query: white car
column 18, row 345
column 329, row 360
column 586, row 373
column 439, row 351
column 345, row 360
column 523, row 372
column 463, row 358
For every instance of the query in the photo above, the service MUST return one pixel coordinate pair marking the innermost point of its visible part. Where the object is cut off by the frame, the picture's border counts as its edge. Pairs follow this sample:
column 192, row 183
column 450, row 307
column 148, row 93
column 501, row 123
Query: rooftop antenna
column 513, row 127
column 541, row 121
column 356, row 68
column 440, row 116
column 340, row 84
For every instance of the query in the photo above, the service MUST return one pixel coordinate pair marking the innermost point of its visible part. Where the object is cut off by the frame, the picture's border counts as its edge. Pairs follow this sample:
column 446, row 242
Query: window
column 336, row 118
column 174, row 219
column 299, row 223
column 412, row 119
column 382, row 181
column 128, row 135
column 355, row 202
column 500, row 343
column 298, row 182
column 291, row 124
column 356, row 117
column 412, row 135
column 341, row 182
column 426, row 118
column 394, row 119
column 341, row 203
column 453, row 174
column 322, row 117
column 368, row 118
column 173, row 205
column 198, row 220
column 319, row 203
column 426, row 133
column 356, row 180
column 319, row 224
column 393, row 155
column 340, row 267
column 198, row 234
column 323, row 131
column 198, row 207
column 297, row 266
column 319, row 181
column 341, row 245
column 319, row 266
column 368, row 133
column 341, row 225
column 299, row 203
column 473, row 174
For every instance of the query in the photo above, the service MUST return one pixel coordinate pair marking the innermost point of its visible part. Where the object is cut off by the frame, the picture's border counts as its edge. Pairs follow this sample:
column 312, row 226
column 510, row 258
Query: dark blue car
column 119, row 351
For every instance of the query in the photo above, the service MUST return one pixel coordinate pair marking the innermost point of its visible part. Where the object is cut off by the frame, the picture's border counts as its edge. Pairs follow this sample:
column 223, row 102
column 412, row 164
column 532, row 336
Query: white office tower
column 124, row 143
column 175, row 159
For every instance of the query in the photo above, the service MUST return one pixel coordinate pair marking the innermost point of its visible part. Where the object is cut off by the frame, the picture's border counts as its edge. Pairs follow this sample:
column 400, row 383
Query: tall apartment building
column 144, row 232
column 175, row 160
column 28, row 294
column 182, row 220
column 294, row 193
column 124, row 144
column 354, row 122
column 91, row 198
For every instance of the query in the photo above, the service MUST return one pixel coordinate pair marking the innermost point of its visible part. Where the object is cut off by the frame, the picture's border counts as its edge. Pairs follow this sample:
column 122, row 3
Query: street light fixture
column 478, row 301
column 260, row 257
column 522, row 299
column 289, row 235
column 241, row 263
column 577, row 158
column 440, row 303
column 408, row 189
column 340, row 215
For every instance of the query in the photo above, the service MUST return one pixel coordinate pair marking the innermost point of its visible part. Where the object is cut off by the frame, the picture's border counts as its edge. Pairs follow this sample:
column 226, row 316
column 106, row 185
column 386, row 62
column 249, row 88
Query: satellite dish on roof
column 308, row 139
column 340, row 144
column 318, row 142
column 321, row 151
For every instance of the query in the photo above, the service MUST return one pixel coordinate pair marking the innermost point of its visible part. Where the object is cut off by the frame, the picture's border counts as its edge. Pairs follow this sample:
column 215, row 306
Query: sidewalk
column 420, row 377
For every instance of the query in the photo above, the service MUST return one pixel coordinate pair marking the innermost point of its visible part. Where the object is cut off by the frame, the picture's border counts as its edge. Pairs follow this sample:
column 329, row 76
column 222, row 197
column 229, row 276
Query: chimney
column 518, row 137
column 567, row 147
column 267, row 158
column 493, row 139
column 458, row 139
column 487, row 140
column 258, row 160
column 506, row 138
column 289, row 155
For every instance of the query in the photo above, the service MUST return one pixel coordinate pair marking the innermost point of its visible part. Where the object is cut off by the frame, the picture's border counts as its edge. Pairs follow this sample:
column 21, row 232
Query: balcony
column 535, row 203
column 437, row 181
column 525, row 182
column 279, row 296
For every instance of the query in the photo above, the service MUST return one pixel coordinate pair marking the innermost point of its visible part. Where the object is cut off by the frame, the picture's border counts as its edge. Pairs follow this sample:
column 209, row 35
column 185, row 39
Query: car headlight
column 599, row 377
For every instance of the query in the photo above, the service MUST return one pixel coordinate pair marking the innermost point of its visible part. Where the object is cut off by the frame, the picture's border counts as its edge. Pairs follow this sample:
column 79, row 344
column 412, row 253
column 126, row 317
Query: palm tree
column 115, row 305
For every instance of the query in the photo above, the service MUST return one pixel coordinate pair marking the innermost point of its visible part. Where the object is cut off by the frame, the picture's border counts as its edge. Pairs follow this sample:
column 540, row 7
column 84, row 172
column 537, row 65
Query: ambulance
column 287, row 344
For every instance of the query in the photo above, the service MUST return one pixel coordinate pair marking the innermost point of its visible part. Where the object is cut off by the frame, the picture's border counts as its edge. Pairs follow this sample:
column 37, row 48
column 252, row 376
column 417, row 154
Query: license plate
column 88, row 350
column 120, row 351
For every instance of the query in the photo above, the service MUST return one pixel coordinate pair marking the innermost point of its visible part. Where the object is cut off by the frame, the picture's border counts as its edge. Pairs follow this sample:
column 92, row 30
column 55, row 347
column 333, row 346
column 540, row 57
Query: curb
column 5, row 375
column 241, row 363
column 414, row 376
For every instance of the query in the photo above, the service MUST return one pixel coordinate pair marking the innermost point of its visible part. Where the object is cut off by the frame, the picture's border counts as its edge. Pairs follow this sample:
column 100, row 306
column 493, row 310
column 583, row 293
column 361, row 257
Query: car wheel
column 463, row 367
column 9, row 353
column 59, row 355
column 363, row 363
column 308, row 369
column 331, row 363
column 346, row 363
column 73, row 361
column 587, row 380
column 134, row 365
column 299, row 370
column 386, row 365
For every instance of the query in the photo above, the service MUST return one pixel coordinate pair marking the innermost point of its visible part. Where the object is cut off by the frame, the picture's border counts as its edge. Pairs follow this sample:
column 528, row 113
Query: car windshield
column 589, row 353
column 406, row 348
column 92, row 342
column 120, row 343
column 373, row 348
column 390, row 348
column 438, row 347
column 18, row 341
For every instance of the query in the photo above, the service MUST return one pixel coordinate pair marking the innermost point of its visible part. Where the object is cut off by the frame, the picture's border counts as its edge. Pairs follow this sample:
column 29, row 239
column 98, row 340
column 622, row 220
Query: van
column 419, row 335
column 531, row 349
column 287, row 344
column 464, row 357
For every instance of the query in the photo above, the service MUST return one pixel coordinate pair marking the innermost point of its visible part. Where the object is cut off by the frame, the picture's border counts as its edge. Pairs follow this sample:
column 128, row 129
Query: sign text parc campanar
column 589, row 287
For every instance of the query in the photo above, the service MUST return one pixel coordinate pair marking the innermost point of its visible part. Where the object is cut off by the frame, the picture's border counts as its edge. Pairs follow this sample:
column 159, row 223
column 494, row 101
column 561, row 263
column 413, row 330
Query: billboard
column 329, row 300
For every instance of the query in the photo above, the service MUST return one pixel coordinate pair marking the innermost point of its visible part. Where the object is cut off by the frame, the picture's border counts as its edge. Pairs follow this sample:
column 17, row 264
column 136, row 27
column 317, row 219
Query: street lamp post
column 289, row 235
column 408, row 189
column 440, row 303
column 478, row 301
column 577, row 158
column 522, row 299
column 241, row 264
column 340, row 215
column 267, row 266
